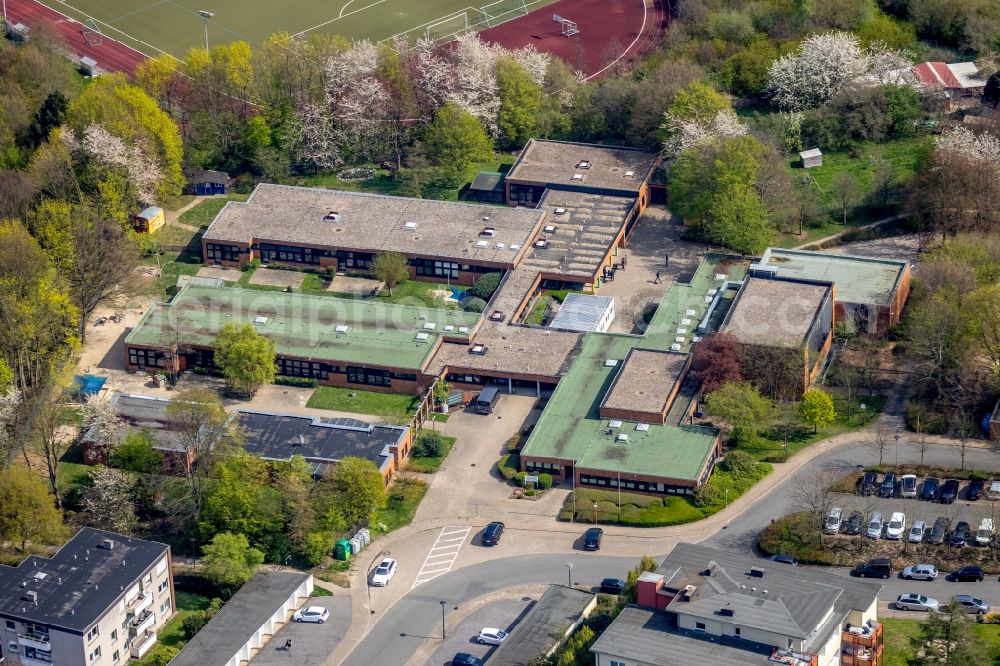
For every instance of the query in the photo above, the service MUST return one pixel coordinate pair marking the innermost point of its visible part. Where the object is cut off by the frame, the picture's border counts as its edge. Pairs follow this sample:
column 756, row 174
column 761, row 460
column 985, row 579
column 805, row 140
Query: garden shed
column 811, row 158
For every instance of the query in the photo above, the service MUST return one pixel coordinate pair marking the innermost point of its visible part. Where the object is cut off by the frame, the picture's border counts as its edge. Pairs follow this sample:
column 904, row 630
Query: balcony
column 35, row 639
column 862, row 646
column 141, row 623
column 142, row 644
column 793, row 658
column 140, row 603
column 37, row 658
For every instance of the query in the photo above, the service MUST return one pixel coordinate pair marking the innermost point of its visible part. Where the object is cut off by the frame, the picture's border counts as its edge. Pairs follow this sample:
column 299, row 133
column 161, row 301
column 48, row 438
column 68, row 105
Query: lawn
column 431, row 464
column 172, row 635
column 899, row 635
column 392, row 407
column 203, row 214
column 72, row 475
column 415, row 292
column 404, row 498
column 545, row 297
column 172, row 265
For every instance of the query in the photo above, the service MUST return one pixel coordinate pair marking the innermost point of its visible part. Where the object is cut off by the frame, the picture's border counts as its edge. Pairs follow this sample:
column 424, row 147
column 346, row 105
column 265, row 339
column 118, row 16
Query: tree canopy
column 230, row 560
column 455, row 141
column 28, row 512
column 391, row 268
column 742, row 407
column 816, row 409
column 246, row 358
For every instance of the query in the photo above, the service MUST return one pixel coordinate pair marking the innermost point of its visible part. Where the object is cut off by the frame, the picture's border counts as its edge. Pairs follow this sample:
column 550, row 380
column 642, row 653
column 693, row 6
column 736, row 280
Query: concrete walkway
column 831, row 237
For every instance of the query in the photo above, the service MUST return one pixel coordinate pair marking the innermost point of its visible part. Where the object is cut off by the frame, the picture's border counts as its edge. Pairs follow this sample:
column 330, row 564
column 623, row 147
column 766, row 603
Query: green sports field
column 174, row 26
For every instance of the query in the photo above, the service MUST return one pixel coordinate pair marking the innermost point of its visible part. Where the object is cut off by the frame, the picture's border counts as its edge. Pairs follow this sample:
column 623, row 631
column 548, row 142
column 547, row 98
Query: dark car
column 785, row 559
column 949, row 491
column 492, row 533
column 969, row 574
column 612, row 586
column 592, row 538
column 939, row 530
column 879, row 568
column 929, row 491
column 868, row 484
column 960, row 535
column 853, row 524
column 466, row 659
column 975, row 490
column 888, row 487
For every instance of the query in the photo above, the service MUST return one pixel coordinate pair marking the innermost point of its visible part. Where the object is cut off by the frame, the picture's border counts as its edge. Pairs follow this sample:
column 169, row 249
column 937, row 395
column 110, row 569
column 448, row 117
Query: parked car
column 592, row 538
column 908, row 485
column 832, row 524
column 784, row 559
column 880, row 568
column 967, row 574
column 920, row 572
column 874, row 529
column 939, row 530
column 384, row 572
column 975, row 490
column 960, row 535
column 853, row 524
column 466, row 659
column 868, row 483
column 896, row 527
column 917, row 602
column 984, row 535
column 930, row 488
column 316, row 614
column 916, row 534
column 612, row 586
column 888, row 487
column 994, row 492
column 971, row 604
column 949, row 491
column 492, row 533
column 491, row 636
column 487, row 400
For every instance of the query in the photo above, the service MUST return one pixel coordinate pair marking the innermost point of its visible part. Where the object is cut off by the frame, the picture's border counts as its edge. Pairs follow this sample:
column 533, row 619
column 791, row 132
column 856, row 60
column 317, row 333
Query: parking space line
column 442, row 554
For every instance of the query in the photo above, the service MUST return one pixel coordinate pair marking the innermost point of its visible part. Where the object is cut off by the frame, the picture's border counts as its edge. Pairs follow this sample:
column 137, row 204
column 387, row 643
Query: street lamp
column 368, row 580
column 897, row 450
column 569, row 573
column 595, row 513
column 443, row 634
column 205, row 15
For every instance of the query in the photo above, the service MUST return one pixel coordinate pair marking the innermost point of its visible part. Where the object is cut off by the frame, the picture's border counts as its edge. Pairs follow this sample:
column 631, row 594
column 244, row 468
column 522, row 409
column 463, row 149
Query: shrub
column 474, row 304
column 530, row 492
column 544, row 481
column 739, row 463
column 192, row 624
column 519, row 479
column 429, row 445
column 301, row 382
column 508, row 465
column 486, row 286
column 707, row 495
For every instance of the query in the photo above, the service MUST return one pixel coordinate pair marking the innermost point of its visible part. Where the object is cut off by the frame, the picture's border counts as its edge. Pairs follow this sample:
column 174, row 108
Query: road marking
column 442, row 554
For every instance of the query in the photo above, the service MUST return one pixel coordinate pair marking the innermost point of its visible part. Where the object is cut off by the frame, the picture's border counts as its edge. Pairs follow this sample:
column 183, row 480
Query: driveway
column 311, row 643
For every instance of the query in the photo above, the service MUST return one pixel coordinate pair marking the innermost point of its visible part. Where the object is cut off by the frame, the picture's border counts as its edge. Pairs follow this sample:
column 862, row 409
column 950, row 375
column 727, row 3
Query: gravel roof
column 555, row 163
column 775, row 312
column 645, row 380
column 375, row 223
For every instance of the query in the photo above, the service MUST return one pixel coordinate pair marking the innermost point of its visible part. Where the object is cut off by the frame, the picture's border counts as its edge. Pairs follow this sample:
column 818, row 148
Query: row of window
column 644, row 486
column 216, row 252
column 146, row 358
column 355, row 375
column 298, row 255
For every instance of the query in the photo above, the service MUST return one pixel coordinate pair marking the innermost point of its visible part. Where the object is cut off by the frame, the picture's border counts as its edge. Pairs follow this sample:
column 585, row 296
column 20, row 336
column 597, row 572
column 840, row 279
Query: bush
column 474, row 304
column 739, row 463
column 486, row 286
column 508, row 465
column 429, row 445
column 530, row 492
column 519, row 479
column 192, row 624
column 544, row 481
column 707, row 495
column 301, row 382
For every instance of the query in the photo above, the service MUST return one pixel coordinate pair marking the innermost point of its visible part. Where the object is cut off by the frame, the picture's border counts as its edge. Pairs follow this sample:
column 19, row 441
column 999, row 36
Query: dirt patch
column 355, row 286
column 273, row 278
column 228, row 274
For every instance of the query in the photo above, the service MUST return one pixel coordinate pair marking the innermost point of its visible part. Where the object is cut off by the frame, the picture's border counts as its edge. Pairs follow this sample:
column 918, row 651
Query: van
column 908, row 485
column 832, row 524
column 487, row 400
column 874, row 569
column 984, row 535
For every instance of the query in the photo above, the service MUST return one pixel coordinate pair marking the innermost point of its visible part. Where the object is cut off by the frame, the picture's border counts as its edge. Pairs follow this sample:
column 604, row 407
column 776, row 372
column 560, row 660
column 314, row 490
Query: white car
column 920, row 572
column 917, row 532
column 316, row 614
column 874, row 530
column 908, row 485
column 491, row 636
column 384, row 572
column 896, row 527
column 917, row 602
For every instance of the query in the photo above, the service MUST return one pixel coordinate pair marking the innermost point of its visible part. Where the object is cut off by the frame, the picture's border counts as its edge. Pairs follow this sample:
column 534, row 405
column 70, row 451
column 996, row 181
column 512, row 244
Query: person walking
column 657, row 280
column 288, row 645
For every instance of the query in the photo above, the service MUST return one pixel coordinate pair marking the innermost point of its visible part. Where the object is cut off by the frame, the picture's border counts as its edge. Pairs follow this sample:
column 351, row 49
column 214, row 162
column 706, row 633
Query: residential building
column 100, row 599
column 248, row 620
column 546, row 625
column 708, row 606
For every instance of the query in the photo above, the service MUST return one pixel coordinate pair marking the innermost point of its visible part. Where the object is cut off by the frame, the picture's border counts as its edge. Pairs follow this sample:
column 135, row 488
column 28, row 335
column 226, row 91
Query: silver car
column 917, row 602
column 970, row 604
column 920, row 572
column 874, row 530
column 917, row 532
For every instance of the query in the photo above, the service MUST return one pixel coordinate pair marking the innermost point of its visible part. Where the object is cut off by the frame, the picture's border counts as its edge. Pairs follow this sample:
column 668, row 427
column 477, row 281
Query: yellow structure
column 148, row 220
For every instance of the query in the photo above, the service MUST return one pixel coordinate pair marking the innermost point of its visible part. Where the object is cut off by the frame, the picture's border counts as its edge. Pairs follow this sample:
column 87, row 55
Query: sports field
column 174, row 26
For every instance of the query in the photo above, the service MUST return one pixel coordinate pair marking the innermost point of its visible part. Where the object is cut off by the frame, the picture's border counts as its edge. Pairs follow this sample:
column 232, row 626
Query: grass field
column 175, row 27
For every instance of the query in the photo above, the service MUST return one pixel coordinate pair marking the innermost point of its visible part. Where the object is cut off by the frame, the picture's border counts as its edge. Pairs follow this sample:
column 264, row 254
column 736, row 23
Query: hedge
column 486, row 285
column 508, row 465
column 302, row 382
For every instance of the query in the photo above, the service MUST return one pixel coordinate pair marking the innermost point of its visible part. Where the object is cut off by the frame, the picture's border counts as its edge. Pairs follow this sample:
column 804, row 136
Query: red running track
column 111, row 55
column 612, row 32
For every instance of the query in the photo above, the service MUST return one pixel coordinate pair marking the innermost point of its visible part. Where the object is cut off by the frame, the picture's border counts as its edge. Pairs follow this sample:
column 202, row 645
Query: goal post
column 92, row 33
column 502, row 11
column 448, row 28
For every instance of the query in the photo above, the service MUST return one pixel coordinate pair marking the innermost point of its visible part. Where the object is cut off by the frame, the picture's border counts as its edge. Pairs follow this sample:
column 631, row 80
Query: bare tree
column 51, row 436
column 812, row 495
column 847, row 192
column 884, row 181
column 879, row 438
column 922, row 445
column 963, row 428
column 102, row 424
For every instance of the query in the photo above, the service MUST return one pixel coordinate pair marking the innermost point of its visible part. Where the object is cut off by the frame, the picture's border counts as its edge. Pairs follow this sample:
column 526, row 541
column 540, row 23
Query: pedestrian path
column 443, row 553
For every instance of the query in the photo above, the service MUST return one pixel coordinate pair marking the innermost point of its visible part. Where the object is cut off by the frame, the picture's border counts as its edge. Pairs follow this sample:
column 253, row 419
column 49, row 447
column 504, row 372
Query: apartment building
column 98, row 601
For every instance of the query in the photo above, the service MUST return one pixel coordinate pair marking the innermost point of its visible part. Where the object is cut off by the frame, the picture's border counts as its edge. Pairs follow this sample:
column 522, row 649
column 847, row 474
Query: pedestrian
column 624, row 262
column 657, row 280
column 288, row 645
column 666, row 260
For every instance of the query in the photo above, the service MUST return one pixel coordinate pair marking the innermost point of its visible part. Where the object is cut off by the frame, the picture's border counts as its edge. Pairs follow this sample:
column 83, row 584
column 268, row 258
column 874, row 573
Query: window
column 93, row 633
column 298, row 255
column 114, row 635
column 165, row 607
column 616, row 663
column 218, row 252
column 162, row 586
column 96, row 653
column 370, row 376
column 291, row 368
column 11, row 626
column 736, row 631
column 434, row 268
column 148, row 580
column 789, row 643
column 161, row 567
column 12, row 646
column 700, row 626
column 146, row 358
column 115, row 657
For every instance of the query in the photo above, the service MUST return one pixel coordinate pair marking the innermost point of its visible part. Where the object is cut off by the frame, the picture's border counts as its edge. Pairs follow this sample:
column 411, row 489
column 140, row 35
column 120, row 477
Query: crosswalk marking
column 442, row 554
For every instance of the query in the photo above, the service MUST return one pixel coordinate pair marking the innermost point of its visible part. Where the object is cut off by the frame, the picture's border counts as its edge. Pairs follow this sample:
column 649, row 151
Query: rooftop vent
column 689, row 590
column 622, row 437
column 726, row 612
column 463, row 329
column 422, row 337
column 409, row 226
column 332, row 216
column 549, row 229
column 39, row 575
column 615, row 424
column 31, row 596
column 488, row 231
column 756, row 572
column 577, row 176
column 430, row 326
column 583, row 164
column 501, row 246
column 496, row 315
column 541, row 243
column 560, row 211
column 515, row 247
column 340, row 328
column 482, row 243
column 108, row 544
column 448, row 328
column 610, row 362
column 258, row 320
column 478, row 349
column 641, row 427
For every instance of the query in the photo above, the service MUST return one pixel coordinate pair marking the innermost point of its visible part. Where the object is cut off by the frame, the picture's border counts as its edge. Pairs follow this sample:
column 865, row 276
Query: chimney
column 31, row 596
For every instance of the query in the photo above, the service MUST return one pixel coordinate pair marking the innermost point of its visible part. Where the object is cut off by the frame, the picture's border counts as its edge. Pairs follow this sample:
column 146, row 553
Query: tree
column 740, row 221
column 811, row 494
column 246, row 358
column 360, row 489
column 879, row 438
column 991, row 93
column 104, row 427
column 230, row 561
column 48, row 116
column 946, row 638
column 109, row 501
column 846, row 191
column 963, row 428
column 391, row 268
column 486, row 285
column 454, row 142
column 28, row 512
column 816, row 409
column 520, row 102
column 716, row 359
column 429, row 445
column 136, row 453
column 742, row 407
column 884, row 181
column 983, row 307
column 239, row 501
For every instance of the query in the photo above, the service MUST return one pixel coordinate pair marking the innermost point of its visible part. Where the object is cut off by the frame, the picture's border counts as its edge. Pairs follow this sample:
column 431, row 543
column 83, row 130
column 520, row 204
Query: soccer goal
column 502, row 11
column 448, row 28
column 92, row 33
column 566, row 27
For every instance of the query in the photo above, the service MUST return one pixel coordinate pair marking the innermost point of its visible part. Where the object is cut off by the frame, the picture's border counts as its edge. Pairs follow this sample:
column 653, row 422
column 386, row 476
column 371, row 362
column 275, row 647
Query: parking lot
column 500, row 613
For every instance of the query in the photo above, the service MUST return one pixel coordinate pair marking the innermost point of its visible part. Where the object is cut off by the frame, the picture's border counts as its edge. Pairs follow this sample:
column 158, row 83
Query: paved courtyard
column 311, row 643
column 277, row 278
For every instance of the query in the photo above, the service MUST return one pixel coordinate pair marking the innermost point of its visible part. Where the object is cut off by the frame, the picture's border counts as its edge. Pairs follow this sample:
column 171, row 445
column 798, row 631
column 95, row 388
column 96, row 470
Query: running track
column 111, row 55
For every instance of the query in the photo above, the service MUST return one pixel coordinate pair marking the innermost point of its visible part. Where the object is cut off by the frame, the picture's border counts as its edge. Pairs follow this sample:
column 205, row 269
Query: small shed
column 148, row 220
column 207, row 182
column 487, row 187
column 89, row 66
column 811, row 158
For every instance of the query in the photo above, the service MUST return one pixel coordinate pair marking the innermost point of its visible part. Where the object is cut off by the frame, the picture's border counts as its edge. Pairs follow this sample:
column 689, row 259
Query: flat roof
column 646, row 379
column 581, row 312
column 239, row 619
column 304, row 326
column 276, row 436
column 555, row 163
column 376, row 223
column 543, row 626
column 858, row 279
column 775, row 312
column 487, row 181
column 80, row 582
